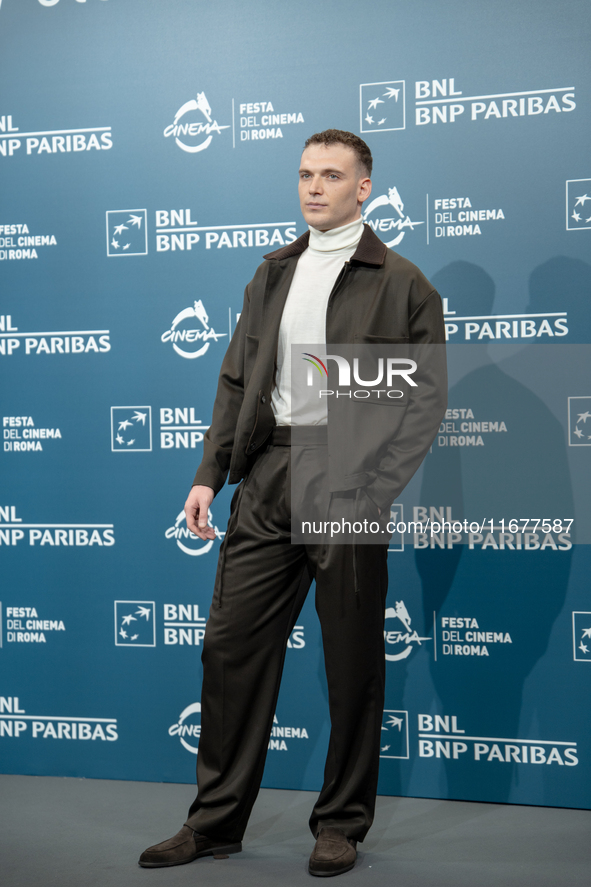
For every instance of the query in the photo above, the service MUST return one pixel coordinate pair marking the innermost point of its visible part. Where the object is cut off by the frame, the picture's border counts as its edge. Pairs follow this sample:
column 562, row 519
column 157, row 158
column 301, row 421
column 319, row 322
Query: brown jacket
column 378, row 298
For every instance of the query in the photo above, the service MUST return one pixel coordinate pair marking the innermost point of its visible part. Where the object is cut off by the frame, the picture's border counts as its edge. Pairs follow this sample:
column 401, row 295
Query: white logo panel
column 579, row 410
column 578, row 204
column 581, row 636
column 394, row 741
column 127, row 232
column 131, row 429
column 135, row 624
column 382, row 106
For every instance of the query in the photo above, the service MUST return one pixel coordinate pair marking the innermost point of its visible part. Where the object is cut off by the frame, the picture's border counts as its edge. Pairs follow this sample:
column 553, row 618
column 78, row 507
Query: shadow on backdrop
column 519, row 592
column 565, row 283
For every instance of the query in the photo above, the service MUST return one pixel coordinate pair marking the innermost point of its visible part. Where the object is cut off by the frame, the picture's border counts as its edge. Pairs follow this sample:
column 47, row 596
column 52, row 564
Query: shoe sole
column 213, row 851
column 342, row 871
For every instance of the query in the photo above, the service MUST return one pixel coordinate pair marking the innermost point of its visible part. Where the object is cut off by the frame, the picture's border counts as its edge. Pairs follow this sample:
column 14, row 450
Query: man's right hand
column 196, row 508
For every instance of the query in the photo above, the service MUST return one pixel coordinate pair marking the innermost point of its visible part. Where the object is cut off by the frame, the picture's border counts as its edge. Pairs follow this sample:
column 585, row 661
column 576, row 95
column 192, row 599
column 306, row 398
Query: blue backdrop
column 149, row 156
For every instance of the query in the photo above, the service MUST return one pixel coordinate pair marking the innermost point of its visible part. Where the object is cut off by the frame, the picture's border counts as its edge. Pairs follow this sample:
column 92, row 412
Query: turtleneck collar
column 345, row 237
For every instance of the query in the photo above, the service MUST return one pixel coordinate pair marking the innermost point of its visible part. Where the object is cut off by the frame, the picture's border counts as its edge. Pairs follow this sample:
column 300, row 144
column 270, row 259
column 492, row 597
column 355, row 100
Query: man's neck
column 344, row 237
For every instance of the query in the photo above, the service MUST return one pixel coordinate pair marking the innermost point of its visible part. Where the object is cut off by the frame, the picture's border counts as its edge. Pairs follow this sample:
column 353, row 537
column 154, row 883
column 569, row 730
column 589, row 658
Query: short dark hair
column 349, row 139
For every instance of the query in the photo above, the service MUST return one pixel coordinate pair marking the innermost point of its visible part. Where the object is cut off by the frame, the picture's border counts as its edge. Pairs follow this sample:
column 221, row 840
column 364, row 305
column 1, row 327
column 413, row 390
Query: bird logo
column 126, row 232
column 582, row 636
column 395, row 725
column 384, row 101
column 135, row 623
column 578, row 214
column 580, row 202
column 580, row 431
column 131, row 428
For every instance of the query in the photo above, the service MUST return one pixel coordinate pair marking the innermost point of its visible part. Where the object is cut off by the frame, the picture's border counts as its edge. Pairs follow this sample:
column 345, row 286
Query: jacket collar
column 370, row 249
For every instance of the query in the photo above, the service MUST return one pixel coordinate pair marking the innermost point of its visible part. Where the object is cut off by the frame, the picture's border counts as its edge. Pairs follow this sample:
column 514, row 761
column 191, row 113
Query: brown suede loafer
column 333, row 854
column 185, row 846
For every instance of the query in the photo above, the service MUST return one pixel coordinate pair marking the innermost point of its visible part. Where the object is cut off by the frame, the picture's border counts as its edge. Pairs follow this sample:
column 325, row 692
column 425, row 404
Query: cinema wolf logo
column 399, row 640
column 188, row 727
column 193, row 126
column 385, row 215
column 187, row 541
column 186, row 340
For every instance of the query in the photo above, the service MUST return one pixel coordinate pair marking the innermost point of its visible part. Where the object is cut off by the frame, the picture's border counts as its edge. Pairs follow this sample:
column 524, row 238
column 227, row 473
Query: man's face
column 332, row 186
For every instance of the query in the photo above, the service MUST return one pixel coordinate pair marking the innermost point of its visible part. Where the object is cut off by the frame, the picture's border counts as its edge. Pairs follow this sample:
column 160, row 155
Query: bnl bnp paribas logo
column 382, row 105
column 194, row 127
column 578, row 205
column 131, row 429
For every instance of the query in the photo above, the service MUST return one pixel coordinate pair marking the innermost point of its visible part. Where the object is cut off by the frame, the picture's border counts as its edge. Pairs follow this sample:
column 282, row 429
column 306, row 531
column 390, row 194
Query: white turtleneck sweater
column 304, row 317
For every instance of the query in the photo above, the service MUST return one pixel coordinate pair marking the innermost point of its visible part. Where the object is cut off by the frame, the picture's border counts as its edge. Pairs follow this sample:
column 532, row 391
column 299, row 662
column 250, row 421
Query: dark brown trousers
column 261, row 585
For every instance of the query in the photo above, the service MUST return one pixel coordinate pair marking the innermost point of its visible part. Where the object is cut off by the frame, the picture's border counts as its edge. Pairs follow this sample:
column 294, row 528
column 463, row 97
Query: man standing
column 338, row 283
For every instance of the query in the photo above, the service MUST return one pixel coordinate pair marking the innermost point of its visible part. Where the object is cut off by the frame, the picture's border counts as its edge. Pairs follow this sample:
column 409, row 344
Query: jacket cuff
column 379, row 495
column 207, row 478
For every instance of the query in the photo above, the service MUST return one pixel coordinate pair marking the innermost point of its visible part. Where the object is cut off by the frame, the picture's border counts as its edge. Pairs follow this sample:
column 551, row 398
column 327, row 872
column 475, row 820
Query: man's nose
column 316, row 185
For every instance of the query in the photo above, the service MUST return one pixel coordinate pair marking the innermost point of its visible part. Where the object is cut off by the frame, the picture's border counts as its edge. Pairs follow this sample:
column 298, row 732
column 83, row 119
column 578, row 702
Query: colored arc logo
column 320, row 366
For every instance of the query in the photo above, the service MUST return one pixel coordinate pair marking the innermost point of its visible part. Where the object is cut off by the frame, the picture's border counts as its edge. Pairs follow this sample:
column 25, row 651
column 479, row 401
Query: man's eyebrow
column 329, row 169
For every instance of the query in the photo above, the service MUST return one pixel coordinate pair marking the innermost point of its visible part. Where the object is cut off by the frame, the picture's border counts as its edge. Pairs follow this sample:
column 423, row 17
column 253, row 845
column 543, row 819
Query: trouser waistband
column 303, row 435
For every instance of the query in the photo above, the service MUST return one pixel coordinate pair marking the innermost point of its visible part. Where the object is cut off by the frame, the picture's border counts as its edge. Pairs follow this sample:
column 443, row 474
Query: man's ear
column 364, row 190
